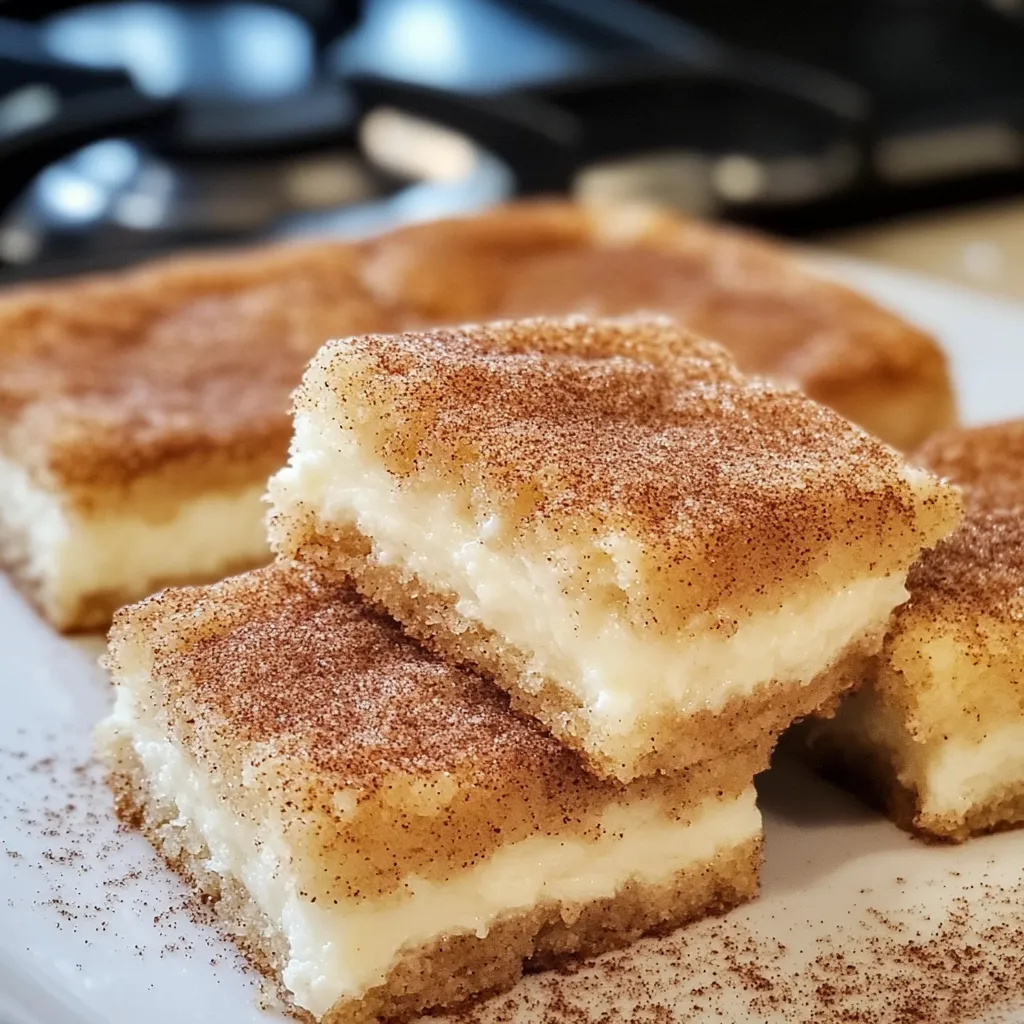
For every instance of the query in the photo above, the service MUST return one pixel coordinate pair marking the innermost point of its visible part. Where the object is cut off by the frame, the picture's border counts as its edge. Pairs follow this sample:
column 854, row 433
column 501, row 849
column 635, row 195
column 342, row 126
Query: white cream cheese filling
column 343, row 951
column 75, row 554
column 615, row 670
column 958, row 774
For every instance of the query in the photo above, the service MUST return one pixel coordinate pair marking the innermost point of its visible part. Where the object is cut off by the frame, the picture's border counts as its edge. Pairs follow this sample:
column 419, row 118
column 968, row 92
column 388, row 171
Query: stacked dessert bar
column 629, row 566
column 141, row 413
column 381, row 833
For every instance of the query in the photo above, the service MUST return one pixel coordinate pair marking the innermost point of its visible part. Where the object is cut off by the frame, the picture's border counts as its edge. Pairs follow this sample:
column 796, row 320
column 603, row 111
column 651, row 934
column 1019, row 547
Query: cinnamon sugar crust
column 456, row 270
column 775, row 316
column 132, row 393
column 110, row 379
column 534, row 498
column 981, row 565
column 987, row 462
column 456, row 967
column 979, row 568
column 118, row 378
column 141, row 401
column 733, row 490
column 378, row 759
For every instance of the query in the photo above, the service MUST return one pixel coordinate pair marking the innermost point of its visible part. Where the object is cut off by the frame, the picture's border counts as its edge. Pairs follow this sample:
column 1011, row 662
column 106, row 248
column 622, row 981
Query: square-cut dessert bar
column 141, row 413
column 658, row 557
column 775, row 314
column 378, row 829
column 936, row 736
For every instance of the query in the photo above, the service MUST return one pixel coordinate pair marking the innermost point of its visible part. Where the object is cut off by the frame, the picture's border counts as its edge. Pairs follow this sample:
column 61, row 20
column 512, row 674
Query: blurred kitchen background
column 887, row 128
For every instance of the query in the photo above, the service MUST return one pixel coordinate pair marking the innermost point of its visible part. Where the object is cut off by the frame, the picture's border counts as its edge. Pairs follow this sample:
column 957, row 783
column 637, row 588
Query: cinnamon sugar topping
column 987, row 462
column 287, row 664
column 108, row 378
column 380, row 760
column 288, row 659
column 980, row 567
column 635, row 427
column 773, row 314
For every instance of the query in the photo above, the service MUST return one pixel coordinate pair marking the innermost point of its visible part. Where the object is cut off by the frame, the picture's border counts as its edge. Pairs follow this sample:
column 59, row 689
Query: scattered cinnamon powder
column 72, row 818
column 883, row 966
column 964, row 967
column 889, row 962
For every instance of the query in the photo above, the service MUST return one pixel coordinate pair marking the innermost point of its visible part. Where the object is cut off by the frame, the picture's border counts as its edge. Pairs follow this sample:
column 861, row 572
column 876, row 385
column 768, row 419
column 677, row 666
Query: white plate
column 92, row 926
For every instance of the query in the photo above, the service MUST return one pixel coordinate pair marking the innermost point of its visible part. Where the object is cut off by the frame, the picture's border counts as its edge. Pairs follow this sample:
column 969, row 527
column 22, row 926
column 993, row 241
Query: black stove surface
column 132, row 128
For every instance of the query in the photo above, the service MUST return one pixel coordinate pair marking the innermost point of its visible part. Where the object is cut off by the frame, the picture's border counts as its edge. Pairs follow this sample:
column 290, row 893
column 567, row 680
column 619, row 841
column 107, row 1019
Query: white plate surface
column 92, row 928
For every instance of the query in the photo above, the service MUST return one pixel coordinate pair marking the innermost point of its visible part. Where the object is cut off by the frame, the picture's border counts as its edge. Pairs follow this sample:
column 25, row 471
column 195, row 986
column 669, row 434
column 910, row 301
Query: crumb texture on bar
column 109, row 378
column 608, row 518
column 666, row 739
column 954, row 653
column 402, row 837
column 371, row 752
column 883, row 774
column 980, row 567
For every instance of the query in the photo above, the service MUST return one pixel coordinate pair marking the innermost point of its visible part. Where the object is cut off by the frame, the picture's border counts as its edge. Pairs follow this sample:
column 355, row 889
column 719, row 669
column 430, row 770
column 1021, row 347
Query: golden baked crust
column 378, row 759
column 735, row 492
column 150, row 374
column 138, row 391
column 776, row 316
column 111, row 379
column 132, row 394
column 455, row 967
column 987, row 462
column 647, row 486
column 977, row 569
column 456, row 270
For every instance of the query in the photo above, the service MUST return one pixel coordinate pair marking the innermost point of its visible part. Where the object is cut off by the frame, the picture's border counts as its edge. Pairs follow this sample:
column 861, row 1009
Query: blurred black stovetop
column 135, row 127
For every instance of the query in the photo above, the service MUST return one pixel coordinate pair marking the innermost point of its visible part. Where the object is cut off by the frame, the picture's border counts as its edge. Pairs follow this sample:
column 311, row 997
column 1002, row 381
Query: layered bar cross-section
column 379, row 830
column 658, row 557
column 142, row 412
